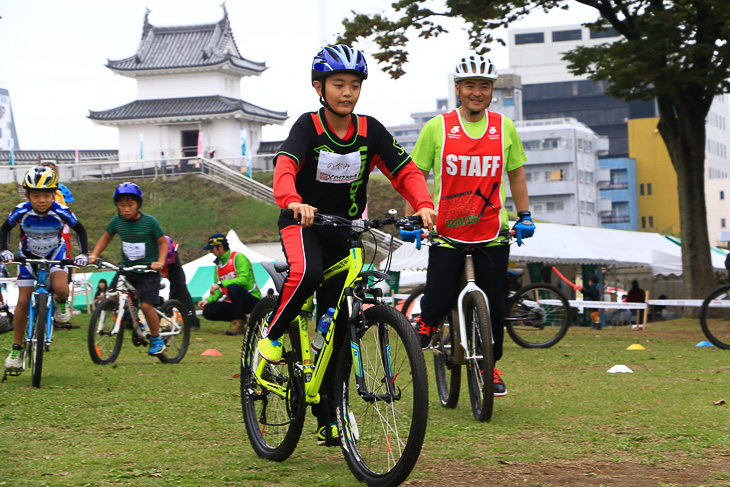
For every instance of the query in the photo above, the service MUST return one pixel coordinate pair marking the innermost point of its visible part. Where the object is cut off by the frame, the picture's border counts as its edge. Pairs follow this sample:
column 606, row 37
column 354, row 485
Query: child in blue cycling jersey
column 41, row 221
column 143, row 243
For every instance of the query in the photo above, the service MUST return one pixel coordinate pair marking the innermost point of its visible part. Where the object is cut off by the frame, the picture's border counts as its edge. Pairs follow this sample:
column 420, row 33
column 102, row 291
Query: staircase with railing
column 229, row 176
column 240, row 183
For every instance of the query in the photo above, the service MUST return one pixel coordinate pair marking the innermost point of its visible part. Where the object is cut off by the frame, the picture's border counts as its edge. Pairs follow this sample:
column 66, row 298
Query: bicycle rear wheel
column 382, row 422
column 38, row 340
column 715, row 317
column 273, row 421
column 408, row 308
column 104, row 346
column 537, row 316
column 480, row 356
column 448, row 373
column 175, row 321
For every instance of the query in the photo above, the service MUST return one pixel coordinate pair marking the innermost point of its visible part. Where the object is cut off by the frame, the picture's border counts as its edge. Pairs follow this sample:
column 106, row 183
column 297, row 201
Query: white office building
column 562, row 173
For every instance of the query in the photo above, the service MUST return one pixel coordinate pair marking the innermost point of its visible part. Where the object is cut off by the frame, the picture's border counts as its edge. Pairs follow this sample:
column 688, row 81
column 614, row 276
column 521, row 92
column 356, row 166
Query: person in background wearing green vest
column 234, row 293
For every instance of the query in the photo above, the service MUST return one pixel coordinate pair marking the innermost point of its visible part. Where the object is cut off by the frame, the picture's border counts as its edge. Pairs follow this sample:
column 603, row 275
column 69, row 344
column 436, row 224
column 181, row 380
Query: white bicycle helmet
column 475, row 66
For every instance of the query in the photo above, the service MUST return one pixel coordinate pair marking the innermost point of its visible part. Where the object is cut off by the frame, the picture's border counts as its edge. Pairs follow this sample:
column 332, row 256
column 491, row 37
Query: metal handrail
column 240, row 183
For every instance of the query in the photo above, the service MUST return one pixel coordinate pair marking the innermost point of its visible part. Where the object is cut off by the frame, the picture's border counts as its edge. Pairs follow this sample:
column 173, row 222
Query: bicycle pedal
column 11, row 373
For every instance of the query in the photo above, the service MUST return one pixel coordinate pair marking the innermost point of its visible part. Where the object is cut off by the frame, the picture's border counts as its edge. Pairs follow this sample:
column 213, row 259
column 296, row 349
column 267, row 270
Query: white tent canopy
column 565, row 244
column 235, row 244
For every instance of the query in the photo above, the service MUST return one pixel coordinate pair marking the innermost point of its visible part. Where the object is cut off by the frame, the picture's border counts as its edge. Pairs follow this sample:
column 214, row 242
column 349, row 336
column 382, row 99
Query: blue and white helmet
column 339, row 59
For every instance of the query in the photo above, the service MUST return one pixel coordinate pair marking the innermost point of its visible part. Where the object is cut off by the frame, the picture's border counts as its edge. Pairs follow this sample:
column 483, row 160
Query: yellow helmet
column 40, row 178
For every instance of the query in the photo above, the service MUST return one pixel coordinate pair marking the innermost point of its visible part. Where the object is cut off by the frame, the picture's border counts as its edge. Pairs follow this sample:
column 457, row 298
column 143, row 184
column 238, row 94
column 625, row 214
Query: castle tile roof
column 62, row 156
column 187, row 107
column 188, row 46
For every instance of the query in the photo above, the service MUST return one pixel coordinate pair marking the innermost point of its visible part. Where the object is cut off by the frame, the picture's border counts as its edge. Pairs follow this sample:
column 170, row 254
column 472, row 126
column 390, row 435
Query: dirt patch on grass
column 713, row 473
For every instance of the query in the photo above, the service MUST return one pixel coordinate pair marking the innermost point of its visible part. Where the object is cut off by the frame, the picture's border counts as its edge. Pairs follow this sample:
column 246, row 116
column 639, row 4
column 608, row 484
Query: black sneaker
column 424, row 332
column 499, row 388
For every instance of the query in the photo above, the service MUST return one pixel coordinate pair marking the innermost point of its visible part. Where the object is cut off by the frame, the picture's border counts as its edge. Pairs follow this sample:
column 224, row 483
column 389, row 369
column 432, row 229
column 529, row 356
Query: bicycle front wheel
column 174, row 330
column 38, row 341
column 382, row 398
column 447, row 371
column 104, row 345
column 273, row 414
column 715, row 317
column 537, row 316
column 479, row 356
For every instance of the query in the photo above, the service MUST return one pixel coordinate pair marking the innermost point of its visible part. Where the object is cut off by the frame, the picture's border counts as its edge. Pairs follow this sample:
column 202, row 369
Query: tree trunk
column 686, row 147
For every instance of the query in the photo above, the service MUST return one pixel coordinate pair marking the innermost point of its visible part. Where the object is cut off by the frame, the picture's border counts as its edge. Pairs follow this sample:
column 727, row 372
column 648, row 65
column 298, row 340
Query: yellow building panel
column 656, row 178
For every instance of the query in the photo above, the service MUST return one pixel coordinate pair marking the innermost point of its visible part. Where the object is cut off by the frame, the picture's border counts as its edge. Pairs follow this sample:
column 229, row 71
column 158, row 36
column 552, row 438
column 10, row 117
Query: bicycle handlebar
column 362, row 224
column 22, row 260
column 505, row 234
column 118, row 267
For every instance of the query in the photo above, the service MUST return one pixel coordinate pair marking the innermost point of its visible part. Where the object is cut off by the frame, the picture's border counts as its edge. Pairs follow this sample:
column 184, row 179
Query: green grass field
column 566, row 421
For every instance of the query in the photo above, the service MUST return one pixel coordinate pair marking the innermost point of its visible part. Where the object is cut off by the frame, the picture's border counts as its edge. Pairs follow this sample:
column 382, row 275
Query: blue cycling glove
column 412, row 236
column 524, row 228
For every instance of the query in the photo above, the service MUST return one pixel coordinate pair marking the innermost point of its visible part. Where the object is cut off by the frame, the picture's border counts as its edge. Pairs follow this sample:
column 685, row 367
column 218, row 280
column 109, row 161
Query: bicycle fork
column 383, row 349
column 468, row 288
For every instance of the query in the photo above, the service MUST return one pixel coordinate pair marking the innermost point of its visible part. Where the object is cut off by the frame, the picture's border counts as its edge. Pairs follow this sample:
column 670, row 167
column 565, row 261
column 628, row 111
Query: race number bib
column 338, row 168
column 133, row 251
column 43, row 245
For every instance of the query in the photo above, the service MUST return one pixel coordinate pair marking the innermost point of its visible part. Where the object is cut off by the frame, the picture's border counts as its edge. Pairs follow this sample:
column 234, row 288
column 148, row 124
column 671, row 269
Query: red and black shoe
column 424, row 332
column 499, row 388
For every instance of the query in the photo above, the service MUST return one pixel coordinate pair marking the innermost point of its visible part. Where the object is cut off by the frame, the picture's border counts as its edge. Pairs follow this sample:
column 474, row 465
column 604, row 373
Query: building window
column 559, row 206
column 722, row 195
column 648, row 189
column 567, row 35
column 643, row 222
column 531, row 38
column 641, row 189
column 556, row 175
column 651, row 222
column 605, row 32
column 722, row 223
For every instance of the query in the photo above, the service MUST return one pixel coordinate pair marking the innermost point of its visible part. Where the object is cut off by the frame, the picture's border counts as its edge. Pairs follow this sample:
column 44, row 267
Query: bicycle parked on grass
column 715, row 317
column 381, row 383
column 537, row 315
column 39, row 332
column 106, row 327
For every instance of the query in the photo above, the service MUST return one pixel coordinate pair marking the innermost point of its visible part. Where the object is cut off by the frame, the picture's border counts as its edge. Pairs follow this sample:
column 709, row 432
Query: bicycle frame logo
column 353, row 265
column 41, row 292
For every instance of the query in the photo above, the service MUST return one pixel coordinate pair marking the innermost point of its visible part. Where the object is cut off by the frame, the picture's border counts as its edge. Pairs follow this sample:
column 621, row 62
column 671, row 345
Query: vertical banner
column 12, row 152
column 246, row 151
column 76, row 154
column 141, row 146
column 200, row 144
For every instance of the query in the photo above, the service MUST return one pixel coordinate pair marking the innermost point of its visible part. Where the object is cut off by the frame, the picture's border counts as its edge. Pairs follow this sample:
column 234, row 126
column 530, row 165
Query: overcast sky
column 53, row 55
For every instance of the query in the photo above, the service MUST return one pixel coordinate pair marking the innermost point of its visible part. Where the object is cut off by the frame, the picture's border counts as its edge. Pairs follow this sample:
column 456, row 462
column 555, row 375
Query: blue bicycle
column 39, row 332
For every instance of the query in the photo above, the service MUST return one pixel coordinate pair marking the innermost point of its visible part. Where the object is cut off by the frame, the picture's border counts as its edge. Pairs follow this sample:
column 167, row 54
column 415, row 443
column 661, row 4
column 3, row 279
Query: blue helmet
column 339, row 59
column 128, row 189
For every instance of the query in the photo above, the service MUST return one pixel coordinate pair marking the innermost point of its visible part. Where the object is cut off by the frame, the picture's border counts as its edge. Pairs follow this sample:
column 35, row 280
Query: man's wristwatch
column 523, row 213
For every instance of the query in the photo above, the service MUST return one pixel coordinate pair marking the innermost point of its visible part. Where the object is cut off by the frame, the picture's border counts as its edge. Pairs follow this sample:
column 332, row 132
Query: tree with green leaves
column 675, row 52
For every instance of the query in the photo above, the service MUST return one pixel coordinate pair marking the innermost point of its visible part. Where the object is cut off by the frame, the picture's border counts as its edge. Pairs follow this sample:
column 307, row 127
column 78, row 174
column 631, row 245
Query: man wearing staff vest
column 234, row 281
column 470, row 149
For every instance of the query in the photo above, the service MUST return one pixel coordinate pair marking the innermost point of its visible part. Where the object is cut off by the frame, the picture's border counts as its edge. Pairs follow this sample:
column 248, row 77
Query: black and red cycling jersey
column 316, row 167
